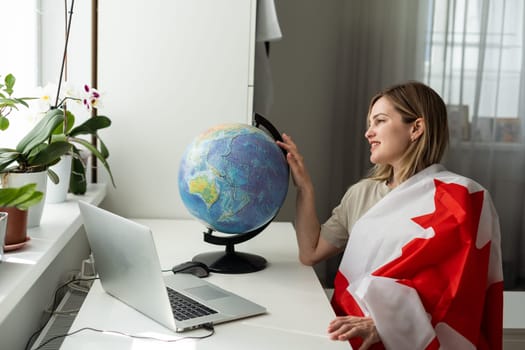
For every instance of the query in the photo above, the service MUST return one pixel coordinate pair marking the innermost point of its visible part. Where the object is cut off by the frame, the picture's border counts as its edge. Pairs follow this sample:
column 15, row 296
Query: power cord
column 72, row 282
column 55, row 305
column 208, row 327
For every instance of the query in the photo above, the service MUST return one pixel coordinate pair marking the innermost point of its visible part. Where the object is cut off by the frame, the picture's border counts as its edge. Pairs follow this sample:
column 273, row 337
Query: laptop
column 129, row 269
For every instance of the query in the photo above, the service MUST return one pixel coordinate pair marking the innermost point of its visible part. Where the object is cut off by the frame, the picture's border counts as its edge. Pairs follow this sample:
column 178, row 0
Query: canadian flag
column 425, row 264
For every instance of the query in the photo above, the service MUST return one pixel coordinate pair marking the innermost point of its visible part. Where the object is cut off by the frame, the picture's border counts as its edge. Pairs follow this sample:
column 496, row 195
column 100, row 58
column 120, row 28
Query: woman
column 422, row 265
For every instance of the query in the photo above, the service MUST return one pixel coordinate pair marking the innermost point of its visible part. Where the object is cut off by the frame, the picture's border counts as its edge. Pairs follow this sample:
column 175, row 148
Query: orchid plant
column 68, row 132
column 25, row 196
column 55, row 135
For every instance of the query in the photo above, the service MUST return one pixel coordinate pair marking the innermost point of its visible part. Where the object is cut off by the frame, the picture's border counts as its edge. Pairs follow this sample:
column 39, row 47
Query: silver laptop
column 128, row 266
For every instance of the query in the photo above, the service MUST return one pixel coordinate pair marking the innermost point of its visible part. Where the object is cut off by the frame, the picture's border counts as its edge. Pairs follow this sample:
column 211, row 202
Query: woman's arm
column 312, row 247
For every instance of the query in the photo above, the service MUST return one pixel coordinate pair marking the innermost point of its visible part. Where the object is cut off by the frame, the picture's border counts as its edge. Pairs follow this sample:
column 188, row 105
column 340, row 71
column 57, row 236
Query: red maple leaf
column 447, row 270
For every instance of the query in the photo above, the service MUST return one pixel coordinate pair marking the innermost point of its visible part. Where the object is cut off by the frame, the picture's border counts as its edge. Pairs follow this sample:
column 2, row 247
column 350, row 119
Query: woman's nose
column 368, row 132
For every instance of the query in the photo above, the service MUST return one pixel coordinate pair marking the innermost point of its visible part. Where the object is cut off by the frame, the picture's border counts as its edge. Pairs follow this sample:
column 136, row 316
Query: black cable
column 207, row 326
column 54, row 306
column 64, row 57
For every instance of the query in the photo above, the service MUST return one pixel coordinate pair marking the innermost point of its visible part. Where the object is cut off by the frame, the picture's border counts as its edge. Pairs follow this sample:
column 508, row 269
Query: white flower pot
column 20, row 179
column 57, row 193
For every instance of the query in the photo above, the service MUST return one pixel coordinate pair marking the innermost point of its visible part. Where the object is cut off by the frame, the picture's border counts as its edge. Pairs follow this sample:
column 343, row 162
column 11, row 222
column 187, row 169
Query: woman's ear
column 418, row 128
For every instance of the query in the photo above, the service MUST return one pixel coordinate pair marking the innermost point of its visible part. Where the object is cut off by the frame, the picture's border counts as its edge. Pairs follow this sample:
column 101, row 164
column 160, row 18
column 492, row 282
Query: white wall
column 169, row 70
column 152, row 90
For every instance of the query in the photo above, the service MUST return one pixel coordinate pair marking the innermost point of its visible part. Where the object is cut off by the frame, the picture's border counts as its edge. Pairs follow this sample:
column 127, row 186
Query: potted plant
column 68, row 132
column 16, row 202
column 29, row 162
column 33, row 154
column 53, row 137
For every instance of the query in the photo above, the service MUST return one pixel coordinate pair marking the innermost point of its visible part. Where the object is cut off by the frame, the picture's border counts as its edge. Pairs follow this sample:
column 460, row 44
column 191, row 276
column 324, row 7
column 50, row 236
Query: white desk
column 298, row 310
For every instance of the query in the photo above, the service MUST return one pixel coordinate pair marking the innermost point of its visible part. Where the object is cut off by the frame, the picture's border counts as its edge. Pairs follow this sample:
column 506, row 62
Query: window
column 474, row 58
column 19, row 56
column 20, row 42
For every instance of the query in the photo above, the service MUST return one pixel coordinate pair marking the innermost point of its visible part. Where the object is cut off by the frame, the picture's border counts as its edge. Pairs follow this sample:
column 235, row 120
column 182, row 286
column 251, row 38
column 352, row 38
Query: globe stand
column 230, row 261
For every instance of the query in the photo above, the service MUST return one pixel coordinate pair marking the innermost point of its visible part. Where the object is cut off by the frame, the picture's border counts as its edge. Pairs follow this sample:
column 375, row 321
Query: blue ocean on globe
column 233, row 178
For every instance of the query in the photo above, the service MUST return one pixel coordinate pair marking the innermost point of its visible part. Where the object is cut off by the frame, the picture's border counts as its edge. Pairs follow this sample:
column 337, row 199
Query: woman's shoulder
column 368, row 187
column 367, row 184
column 440, row 173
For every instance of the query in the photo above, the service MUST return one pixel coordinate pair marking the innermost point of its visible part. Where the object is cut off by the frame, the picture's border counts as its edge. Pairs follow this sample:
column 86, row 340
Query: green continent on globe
column 203, row 187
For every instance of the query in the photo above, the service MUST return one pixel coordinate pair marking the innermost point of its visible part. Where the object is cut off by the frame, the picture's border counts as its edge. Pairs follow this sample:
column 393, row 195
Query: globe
column 233, row 178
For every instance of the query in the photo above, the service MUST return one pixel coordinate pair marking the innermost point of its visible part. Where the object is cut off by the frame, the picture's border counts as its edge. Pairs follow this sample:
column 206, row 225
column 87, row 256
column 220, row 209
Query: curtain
column 380, row 44
column 474, row 59
column 333, row 57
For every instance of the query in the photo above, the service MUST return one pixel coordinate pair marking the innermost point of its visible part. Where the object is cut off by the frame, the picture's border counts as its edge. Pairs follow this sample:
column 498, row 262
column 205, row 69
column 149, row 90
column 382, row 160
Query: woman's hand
column 295, row 160
column 347, row 327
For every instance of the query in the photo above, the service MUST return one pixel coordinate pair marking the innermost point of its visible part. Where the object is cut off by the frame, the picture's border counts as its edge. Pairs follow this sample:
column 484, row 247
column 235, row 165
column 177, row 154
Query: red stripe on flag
column 491, row 336
column 342, row 301
column 344, row 304
column 434, row 344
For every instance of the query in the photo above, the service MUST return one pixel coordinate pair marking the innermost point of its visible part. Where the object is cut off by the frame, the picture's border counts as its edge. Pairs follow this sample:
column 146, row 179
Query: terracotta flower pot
column 21, row 179
column 16, row 231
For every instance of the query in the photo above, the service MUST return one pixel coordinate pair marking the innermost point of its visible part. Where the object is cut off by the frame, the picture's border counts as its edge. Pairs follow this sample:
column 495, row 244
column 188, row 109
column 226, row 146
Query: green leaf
column 22, row 100
column 77, row 182
column 41, row 131
column 58, row 137
column 20, row 197
column 103, row 149
column 22, row 194
column 97, row 154
column 33, row 153
column 53, row 176
column 49, row 153
column 35, row 198
column 7, row 157
column 70, row 121
column 4, row 123
column 9, row 83
column 90, row 126
column 8, row 102
column 7, row 195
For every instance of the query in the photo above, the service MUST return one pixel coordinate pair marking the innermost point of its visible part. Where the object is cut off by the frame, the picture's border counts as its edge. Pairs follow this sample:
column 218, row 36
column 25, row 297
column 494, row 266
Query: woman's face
column 387, row 134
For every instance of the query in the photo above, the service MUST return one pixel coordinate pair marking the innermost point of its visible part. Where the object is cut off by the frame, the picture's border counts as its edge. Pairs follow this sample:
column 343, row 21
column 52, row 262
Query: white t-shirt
column 357, row 200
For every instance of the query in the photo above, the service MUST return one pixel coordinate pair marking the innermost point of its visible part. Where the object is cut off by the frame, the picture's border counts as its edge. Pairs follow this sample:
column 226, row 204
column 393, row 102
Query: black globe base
column 228, row 260
column 231, row 262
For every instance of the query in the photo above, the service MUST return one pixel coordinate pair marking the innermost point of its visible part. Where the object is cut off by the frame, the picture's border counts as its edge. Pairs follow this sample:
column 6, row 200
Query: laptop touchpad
column 206, row 292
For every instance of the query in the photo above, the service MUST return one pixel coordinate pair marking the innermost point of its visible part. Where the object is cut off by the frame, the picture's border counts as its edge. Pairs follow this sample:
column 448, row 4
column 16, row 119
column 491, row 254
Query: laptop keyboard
column 185, row 308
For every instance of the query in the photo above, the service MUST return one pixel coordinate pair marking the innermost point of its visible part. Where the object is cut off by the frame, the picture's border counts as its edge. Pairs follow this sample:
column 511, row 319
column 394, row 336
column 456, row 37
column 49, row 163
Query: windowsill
column 498, row 146
column 20, row 269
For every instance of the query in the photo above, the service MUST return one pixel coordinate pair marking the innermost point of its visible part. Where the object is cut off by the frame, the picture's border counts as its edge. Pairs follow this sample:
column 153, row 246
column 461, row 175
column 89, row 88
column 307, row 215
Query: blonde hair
column 415, row 100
